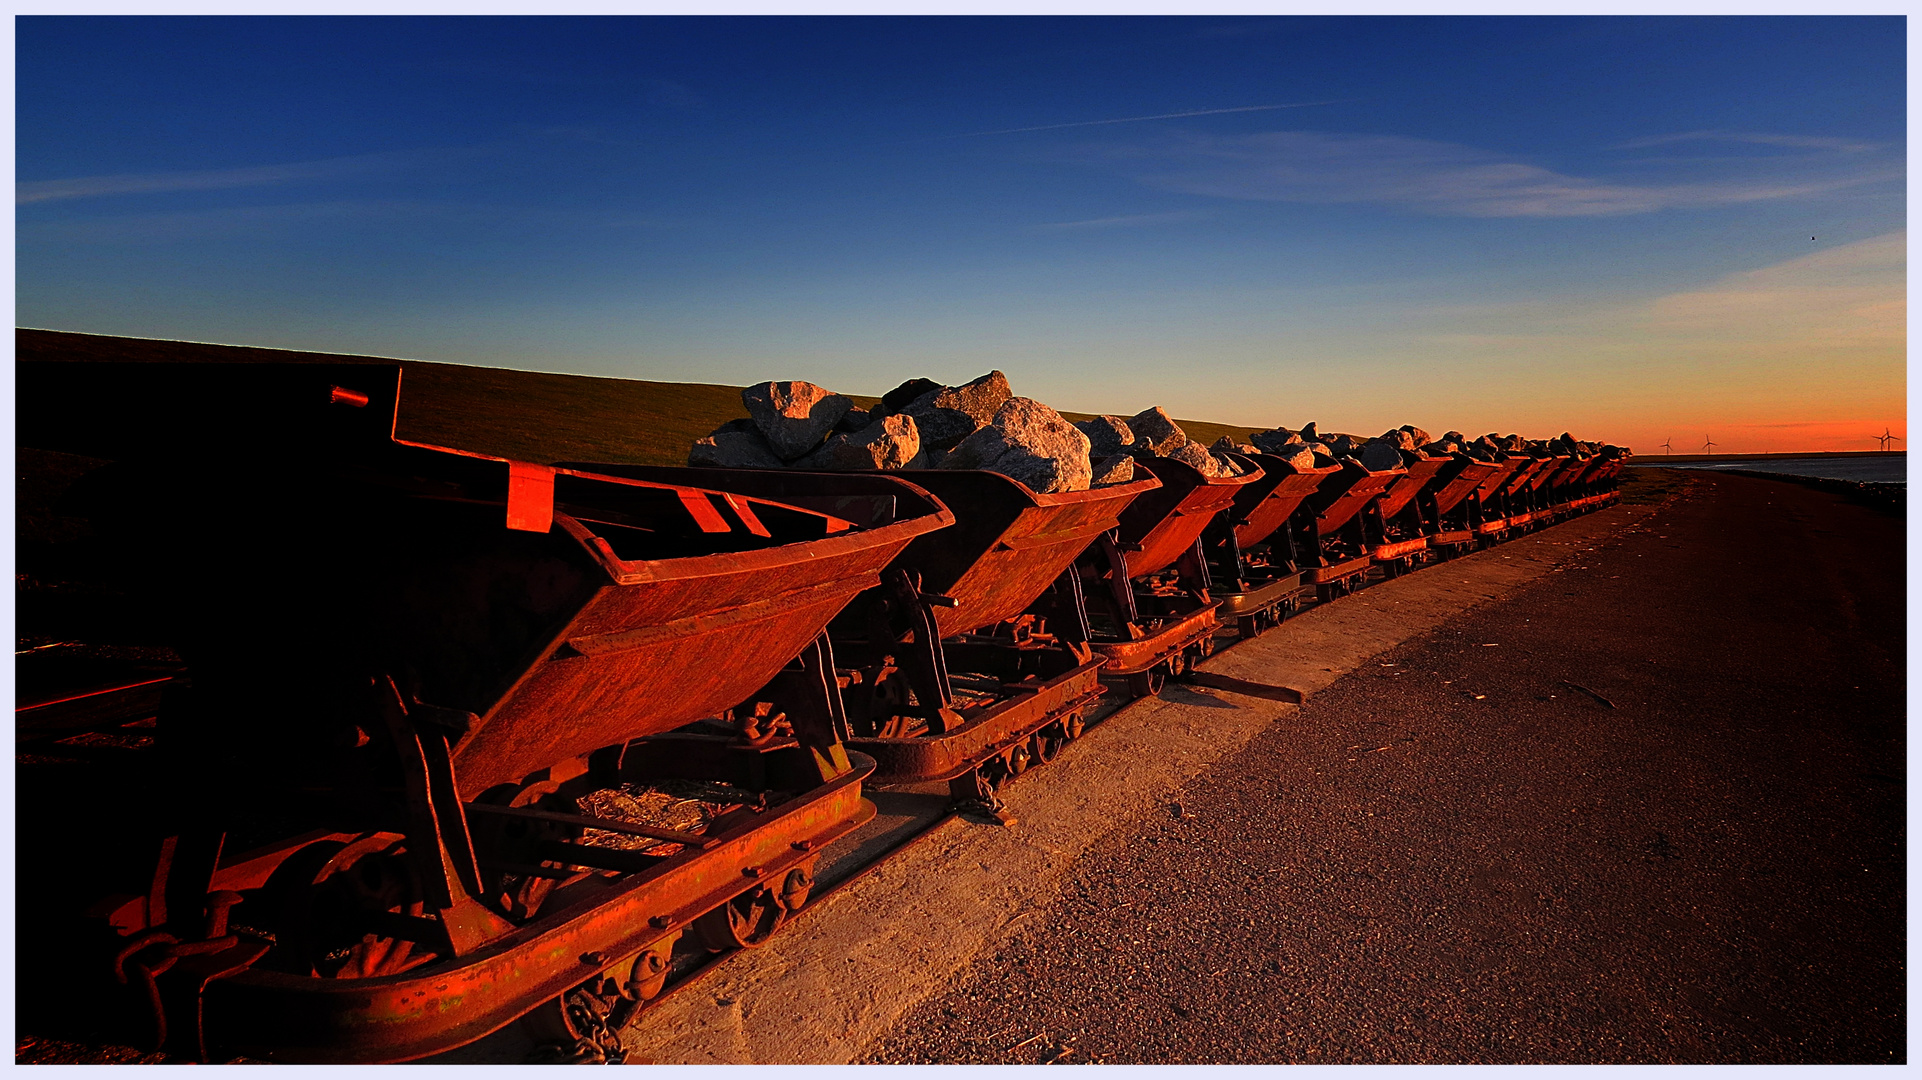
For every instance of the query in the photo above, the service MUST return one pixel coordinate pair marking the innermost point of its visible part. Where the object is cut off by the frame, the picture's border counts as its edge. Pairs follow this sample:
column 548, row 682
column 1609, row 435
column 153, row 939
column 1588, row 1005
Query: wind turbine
column 1669, row 445
column 1706, row 443
column 1885, row 438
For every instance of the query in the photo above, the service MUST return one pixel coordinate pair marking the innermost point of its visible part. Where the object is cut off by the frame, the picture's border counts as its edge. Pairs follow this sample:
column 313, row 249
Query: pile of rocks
column 917, row 425
column 1117, row 442
column 1308, row 449
column 982, row 425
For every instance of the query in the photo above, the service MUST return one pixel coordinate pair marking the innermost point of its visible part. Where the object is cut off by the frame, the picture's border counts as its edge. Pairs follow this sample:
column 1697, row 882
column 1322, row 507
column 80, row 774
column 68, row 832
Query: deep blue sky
column 1608, row 218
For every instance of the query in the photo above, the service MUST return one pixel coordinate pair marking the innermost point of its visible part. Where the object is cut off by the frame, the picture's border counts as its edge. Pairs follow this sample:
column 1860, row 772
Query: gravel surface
column 1650, row 809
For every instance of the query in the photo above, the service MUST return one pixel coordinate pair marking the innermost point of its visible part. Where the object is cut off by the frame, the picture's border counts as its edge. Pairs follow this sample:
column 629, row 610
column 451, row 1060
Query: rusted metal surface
column 1162, row 525
column 1401, row 549
column 1257, row 547
column 1495, row 479
column 1149, row 580
column 426, row 627
column 455, row 650
column 1008, row 546
column 1343, row 496
column 1266, row 504
column 281, row 1017
column 1466, row 482
column 1546, row 470
column 1516, row 482
column 1337, row 572
column 1027, row 709
column 657, row 643
column 1261, row 598
column 1423, row 474
column 1170, row 640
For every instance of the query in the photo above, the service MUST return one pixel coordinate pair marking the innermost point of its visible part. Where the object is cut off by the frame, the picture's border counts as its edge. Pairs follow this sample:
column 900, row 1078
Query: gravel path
column 1651, row 809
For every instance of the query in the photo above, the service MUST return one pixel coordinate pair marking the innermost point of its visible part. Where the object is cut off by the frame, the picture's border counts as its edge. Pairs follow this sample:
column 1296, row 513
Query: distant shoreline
column 1658, row 460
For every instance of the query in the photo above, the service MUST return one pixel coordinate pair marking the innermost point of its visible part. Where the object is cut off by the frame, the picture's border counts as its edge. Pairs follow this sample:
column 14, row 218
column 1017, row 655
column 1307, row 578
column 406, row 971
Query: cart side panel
column 1165, row 539
column 1421, row 473
column 1471, row 477
column 1279, row 503
column 1339, row 504
column 1000, row 578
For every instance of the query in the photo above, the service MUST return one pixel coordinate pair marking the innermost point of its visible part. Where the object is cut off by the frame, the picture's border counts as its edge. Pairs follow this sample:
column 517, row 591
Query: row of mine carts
column 411, row 673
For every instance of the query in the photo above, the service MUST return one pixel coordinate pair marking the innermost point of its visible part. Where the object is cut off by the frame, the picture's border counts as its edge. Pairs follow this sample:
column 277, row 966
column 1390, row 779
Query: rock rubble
column 922, row 424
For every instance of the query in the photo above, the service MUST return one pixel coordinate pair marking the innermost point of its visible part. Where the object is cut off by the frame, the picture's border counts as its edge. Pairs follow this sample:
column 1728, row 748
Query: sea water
column 1892, row 469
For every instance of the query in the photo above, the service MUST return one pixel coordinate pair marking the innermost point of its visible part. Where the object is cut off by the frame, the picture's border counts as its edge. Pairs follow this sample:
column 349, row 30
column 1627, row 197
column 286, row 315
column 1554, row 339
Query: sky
column 1638, row 230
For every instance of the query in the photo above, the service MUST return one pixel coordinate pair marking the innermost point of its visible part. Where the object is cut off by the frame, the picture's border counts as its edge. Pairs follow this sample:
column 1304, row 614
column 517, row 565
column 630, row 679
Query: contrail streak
column 1161, row 116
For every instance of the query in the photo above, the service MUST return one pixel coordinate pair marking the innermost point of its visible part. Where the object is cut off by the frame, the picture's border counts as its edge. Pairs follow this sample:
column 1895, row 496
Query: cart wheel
column 1018, row 758
column 319, row 900
column 1176, row 664
column 1073, row 724
column 1046, row 743
column 1146, row 683
column 745, row 922
column 1248, row 626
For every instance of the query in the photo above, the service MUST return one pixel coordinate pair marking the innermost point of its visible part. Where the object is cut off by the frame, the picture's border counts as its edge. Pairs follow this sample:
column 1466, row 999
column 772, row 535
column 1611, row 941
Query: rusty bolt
column 750, row 871
column 659, row 922
column 802, row 845
column 594, row 959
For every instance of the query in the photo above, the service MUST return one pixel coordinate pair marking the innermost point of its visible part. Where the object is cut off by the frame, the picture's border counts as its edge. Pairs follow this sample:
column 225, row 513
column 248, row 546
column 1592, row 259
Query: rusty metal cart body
column 1491, row 522
column 1343, row 537
column 1599, row 484
column 410, row 665
column 1558, row 490
column 970, row 660
column 1403, row 520
column 1455, row 506
column 1257, row 549
column 1531, row 493
column 1511, row 498
column 1151, row 608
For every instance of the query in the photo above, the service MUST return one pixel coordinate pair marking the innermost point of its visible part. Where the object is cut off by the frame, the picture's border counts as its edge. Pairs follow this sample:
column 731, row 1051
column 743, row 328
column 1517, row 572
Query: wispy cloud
column 84, row 187
column 1853, row 293
column 1158, row 116
column 1432, row 177
column 1796, row 142
column 1127, row 221
column 380, row 219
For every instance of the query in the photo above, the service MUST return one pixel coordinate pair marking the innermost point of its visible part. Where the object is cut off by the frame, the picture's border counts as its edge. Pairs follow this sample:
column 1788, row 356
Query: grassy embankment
column 534, row 416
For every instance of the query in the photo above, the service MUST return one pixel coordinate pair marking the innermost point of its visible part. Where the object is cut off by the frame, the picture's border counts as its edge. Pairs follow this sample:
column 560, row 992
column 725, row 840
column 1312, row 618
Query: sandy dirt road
column 1648, row 809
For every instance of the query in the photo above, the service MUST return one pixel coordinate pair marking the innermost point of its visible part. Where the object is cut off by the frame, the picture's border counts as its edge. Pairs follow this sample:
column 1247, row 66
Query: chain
column 598, row 1044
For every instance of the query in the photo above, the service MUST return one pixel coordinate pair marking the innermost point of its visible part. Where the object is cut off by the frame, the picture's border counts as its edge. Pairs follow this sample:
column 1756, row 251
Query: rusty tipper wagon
column 1256, row 550
column 412, row 671
column 1343, row 544
column 970, row 661
column 1147, row 581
